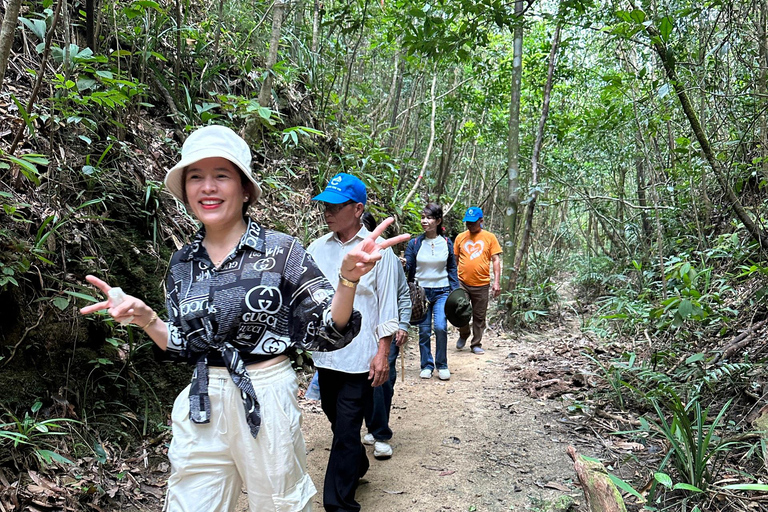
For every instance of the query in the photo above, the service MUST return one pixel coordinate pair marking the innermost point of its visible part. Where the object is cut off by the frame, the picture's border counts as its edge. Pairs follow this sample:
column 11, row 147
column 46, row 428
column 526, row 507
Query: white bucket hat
column 209, row 142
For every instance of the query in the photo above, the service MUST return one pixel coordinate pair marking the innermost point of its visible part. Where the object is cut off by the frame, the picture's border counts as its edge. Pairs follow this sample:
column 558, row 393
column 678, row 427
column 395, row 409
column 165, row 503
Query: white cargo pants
column 210, row 462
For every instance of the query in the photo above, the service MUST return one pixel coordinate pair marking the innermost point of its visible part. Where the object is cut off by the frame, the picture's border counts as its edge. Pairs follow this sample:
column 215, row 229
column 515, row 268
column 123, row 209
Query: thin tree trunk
column 265, row 94
column 353, row 59
column 523, row 249
column 217, row 37
column 316, row 20
column 90, row 17
column 642, row 200
column 762, row 83
column 667, row 61
column 429, row 147
column 7, row 34
column 513, row 149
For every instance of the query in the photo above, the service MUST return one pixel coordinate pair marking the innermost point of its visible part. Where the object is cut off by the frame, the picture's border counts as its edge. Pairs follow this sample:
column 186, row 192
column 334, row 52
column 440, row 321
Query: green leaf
column 664, row 479
column 115, row 342
column 686, row 487
column 61, row 302
column 37, row 27
column 83, row 84
column 747, row 487
column 83, row 296
column 624, row 486
column 665, row 28
column 101, row 454
column 685, row 308
column 637, row 16
column 47, row 456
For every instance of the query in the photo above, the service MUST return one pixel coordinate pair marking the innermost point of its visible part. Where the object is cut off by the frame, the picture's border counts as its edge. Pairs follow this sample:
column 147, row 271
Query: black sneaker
column 460, row 343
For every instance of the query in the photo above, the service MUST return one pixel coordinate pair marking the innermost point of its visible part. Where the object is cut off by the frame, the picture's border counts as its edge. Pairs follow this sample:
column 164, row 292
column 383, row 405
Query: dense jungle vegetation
column 620, row 146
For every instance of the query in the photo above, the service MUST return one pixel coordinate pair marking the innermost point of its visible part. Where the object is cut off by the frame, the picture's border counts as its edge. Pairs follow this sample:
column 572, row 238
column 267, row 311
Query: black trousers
column 344, row 397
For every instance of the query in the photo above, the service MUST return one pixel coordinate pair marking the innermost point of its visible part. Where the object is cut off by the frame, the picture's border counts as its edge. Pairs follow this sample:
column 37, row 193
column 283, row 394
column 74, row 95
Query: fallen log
column 740, row 341
column 599, row 491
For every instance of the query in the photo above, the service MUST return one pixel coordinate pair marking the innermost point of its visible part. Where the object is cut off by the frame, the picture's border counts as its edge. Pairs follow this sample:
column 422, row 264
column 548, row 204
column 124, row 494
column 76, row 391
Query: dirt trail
column 470, row 443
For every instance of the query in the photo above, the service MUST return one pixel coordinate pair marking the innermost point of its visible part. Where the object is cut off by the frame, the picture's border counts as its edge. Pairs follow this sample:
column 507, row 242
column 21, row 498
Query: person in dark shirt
column 240, row 300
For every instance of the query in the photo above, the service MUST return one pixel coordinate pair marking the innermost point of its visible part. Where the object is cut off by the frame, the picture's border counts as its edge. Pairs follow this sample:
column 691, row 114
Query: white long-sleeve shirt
column 375, row 298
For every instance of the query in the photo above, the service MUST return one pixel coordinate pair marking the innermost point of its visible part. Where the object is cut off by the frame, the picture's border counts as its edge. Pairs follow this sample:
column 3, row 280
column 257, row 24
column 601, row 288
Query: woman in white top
column 429, row 259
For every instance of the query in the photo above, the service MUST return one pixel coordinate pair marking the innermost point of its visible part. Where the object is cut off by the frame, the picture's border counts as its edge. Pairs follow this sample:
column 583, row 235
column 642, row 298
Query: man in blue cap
column 348, row 376
column 475, row 250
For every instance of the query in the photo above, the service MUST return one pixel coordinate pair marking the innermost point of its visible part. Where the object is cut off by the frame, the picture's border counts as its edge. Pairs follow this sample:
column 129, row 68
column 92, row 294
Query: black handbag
column 419, row 302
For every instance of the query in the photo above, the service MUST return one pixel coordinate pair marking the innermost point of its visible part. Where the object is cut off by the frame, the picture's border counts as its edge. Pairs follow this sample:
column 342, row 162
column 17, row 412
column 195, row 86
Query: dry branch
column 740, row 341
column 599, row 491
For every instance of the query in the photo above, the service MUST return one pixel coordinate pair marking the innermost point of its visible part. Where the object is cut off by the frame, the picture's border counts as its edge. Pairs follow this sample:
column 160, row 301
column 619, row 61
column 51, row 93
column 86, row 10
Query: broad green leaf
column 61, row 302
column 665, row 28
column 637, row 16
column 37, row 27
column 664, row 479
column 685, row 308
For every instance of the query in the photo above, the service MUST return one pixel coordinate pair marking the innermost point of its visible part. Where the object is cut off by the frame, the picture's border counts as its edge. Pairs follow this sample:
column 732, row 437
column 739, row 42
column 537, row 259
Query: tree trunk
column 217, row 36
column 317, row 17
column 265, row 94
column 667, row 61
column 762, row 82
column 90, row 34
column 352, row 60
column 429, row 147
column 513, row 149
column 7, row 34
column 528, row 228
column 642, row 200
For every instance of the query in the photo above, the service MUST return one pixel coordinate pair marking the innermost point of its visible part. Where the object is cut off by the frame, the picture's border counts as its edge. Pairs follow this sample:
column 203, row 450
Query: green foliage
column 30, row 433
column 696, row 447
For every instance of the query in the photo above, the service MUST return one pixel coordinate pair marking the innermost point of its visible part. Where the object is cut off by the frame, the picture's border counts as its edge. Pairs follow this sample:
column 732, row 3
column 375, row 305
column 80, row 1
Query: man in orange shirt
column 475, row 250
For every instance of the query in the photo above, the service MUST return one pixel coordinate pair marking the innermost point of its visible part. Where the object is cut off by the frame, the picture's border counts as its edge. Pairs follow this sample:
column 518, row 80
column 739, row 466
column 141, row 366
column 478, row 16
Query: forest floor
column 474, row 442
column 488, row 439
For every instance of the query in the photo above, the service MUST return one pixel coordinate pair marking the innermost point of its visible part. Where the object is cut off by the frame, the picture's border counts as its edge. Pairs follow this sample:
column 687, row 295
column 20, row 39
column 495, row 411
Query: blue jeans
column 377, row 411
column 436, row 298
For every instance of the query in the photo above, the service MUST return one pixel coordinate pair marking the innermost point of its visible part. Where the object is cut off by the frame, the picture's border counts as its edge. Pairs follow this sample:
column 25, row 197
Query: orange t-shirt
column 473, row 256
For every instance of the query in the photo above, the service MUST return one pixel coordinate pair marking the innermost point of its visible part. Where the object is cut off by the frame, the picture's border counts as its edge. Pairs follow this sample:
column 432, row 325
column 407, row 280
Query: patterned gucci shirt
column 265, row 299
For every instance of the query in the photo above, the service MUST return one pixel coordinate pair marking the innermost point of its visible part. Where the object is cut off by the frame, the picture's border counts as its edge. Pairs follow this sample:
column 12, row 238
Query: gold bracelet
column 343, row 281
column 151, row 321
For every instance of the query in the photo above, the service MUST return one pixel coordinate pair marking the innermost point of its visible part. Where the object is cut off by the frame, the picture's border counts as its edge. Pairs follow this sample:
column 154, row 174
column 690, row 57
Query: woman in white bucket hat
column 240, row 299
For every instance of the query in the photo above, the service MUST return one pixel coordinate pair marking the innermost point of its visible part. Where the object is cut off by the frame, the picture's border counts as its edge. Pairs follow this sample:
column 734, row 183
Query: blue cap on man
column 474, row 213
column 342, row 188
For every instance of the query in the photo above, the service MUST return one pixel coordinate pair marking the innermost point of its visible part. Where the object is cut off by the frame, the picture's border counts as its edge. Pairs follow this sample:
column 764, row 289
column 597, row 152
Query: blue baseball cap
column 474, row 213
column 342, row 188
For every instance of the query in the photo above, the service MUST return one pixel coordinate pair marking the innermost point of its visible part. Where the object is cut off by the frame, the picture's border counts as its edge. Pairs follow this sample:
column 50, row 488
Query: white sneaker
column 444, row 373
column 369, row 439
column 382, row 450
column 426, row 373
